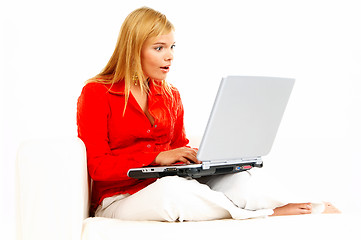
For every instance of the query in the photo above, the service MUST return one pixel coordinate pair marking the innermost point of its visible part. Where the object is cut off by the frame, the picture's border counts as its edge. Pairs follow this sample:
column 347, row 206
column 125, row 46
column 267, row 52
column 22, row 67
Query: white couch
column 53, row 202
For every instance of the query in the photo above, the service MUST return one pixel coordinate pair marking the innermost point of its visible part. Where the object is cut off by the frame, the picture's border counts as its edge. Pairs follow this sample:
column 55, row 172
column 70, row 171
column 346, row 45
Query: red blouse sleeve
column 179, row 138
column 93, row 111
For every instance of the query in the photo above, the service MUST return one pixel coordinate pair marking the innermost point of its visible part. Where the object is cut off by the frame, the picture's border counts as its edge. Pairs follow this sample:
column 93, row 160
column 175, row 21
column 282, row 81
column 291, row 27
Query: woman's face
column 157, row 56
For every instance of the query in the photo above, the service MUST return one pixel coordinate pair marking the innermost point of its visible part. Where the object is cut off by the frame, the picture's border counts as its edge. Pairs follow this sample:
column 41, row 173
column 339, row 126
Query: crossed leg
column 245, row 192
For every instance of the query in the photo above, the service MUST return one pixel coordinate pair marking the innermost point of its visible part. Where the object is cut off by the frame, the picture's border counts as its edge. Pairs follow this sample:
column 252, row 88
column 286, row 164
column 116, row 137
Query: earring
column 135, row 79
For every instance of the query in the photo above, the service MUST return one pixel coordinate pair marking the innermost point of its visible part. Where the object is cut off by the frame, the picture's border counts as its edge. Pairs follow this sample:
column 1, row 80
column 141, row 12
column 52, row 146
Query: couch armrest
column 52, row 189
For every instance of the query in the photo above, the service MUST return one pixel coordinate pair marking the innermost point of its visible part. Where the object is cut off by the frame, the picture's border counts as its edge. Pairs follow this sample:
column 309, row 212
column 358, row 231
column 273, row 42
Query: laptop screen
column 245, row 117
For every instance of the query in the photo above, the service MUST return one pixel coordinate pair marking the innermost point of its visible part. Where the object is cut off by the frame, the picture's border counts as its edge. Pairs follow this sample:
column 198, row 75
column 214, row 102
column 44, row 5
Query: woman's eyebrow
column 162, row 43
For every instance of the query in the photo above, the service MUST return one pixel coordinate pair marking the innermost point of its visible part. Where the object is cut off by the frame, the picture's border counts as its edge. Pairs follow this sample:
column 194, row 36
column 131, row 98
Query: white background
column 49, row 48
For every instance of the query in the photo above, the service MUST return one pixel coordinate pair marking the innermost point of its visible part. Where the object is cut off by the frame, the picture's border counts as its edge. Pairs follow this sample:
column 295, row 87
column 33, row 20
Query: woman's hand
column 183, row 154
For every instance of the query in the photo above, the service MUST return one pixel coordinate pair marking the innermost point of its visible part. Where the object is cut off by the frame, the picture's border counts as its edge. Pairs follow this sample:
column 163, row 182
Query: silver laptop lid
column 245, row 117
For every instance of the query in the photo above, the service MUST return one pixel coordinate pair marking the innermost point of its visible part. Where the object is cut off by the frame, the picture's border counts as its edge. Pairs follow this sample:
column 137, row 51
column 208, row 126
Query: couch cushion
column 314, row 226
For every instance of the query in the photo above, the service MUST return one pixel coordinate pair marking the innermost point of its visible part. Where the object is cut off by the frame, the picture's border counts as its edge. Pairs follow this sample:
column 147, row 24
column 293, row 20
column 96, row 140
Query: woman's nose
column 169, row 56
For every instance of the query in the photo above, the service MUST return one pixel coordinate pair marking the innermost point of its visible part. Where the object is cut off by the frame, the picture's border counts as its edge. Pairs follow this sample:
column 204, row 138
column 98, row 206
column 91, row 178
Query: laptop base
column 196, row 172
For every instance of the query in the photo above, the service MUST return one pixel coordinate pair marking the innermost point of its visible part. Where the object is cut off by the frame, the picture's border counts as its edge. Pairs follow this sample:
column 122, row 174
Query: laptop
column 241, row 128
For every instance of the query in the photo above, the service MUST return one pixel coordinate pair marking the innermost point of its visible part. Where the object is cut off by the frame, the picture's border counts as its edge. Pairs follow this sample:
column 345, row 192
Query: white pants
column 175, row 198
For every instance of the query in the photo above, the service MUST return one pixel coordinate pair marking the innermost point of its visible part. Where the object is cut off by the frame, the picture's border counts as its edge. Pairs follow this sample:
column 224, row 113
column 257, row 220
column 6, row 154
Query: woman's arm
column 180, row 151
column 92, row 119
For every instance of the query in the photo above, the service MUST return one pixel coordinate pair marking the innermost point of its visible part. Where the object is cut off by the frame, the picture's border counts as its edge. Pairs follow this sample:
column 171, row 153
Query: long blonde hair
column 125, row 63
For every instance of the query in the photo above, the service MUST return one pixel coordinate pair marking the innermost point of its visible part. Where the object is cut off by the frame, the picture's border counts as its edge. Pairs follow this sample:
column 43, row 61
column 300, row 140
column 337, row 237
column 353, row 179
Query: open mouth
column 165, row 69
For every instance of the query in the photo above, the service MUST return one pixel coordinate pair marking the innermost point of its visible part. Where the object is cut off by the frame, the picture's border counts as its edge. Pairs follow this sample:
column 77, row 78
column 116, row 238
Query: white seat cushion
column 314, row 226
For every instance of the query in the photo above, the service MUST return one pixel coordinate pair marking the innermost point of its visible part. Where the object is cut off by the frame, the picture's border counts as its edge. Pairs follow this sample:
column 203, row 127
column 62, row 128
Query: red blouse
column 116, row 143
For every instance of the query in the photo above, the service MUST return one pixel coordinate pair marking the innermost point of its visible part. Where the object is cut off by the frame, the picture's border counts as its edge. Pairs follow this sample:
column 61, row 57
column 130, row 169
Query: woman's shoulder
column 92, row 91
column 174, row 90
column 175, row 96
column 95, row 87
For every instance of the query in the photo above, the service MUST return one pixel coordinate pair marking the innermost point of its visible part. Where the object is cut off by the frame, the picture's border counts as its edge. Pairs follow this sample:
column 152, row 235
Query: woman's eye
column 173, row 46
column 158, row 48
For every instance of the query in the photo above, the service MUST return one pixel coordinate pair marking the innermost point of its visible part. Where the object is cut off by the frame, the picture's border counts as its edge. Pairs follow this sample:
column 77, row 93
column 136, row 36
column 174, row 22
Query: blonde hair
column 125, row 63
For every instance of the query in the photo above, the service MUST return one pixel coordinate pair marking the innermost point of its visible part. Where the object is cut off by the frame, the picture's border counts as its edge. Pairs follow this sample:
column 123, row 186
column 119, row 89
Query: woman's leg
column 175, row 198
column 243, row 190
column 248, row 192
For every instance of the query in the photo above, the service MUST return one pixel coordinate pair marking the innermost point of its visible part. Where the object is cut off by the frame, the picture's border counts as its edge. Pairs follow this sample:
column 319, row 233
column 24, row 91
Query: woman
column 129, row 117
